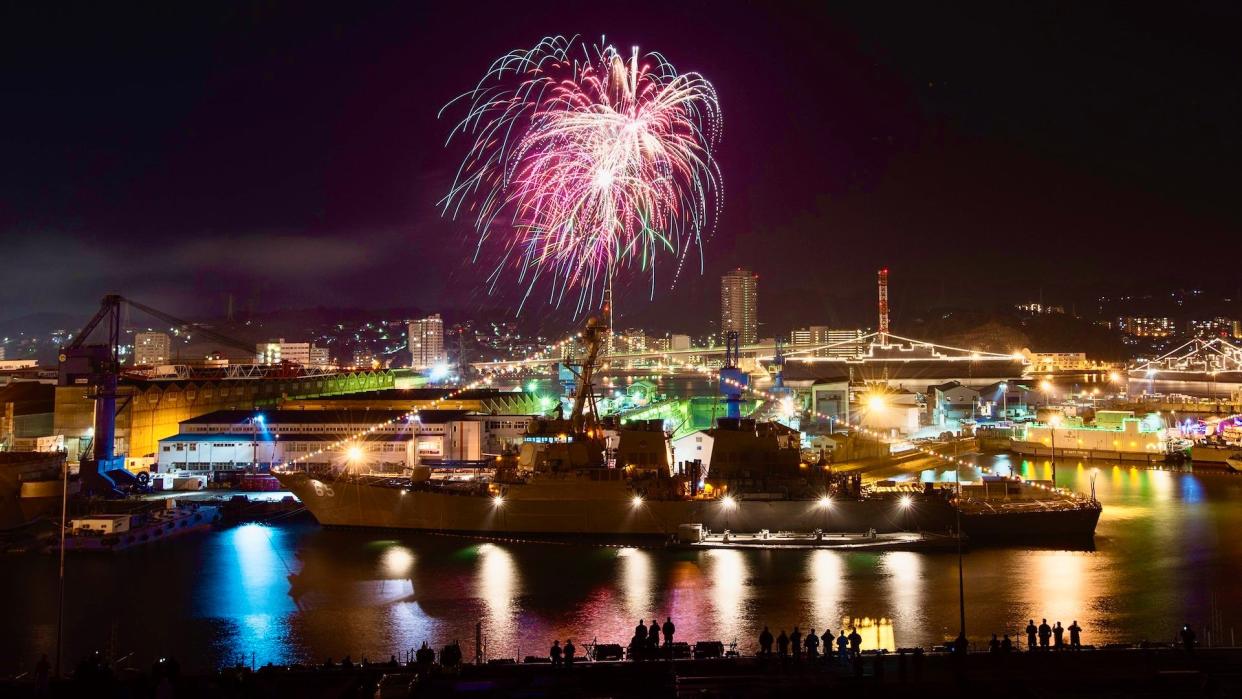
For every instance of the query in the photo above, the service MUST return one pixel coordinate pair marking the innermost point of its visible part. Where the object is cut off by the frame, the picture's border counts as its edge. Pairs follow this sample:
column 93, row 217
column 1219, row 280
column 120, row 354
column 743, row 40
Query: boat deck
column 893, row 541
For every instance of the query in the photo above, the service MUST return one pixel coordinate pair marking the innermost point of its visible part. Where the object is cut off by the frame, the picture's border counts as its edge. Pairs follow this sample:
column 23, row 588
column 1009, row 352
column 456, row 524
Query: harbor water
column 1167, row 552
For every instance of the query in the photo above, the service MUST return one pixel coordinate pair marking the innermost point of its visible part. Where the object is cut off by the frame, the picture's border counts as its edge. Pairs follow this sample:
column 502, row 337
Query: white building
column 739, row 305
column 427, row 342
column 840, row 342
column 952, row 401
column 679, row 342
column 152, row 349
column 232, row 439
column 320, row 357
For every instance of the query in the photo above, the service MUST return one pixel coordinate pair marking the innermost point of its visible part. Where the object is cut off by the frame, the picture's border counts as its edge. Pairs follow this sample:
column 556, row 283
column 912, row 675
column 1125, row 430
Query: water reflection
column 875, row 633
column 250, row 575
column 298, row 592
column 498, row 582
column 728, row 572
column 825, row 582
column 397, row 561
column 1057, row 588
column 905, row 588
column 635, row 581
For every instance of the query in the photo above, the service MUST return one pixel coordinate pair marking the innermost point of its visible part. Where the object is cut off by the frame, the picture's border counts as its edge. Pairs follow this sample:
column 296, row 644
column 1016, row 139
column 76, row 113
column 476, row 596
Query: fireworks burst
column 587, row 163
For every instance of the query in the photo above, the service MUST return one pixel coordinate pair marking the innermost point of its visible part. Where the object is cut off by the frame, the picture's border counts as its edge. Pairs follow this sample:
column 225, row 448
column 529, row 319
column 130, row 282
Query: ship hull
column 1040, row 450
column 595, row 512
column 1068, row 524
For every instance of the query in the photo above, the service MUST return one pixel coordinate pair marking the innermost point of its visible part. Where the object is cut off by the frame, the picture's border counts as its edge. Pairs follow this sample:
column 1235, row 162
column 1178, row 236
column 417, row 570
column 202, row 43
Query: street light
column 1004, row 387
column 727, row 503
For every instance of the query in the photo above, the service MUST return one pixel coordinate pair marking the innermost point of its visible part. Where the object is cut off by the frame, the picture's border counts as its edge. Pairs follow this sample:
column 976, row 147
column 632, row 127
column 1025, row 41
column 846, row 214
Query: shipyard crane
column 98, row 368
column 733, row 380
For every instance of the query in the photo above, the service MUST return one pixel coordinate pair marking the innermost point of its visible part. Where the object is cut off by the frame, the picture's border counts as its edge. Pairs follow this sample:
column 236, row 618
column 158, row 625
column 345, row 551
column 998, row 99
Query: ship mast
column 592, row 339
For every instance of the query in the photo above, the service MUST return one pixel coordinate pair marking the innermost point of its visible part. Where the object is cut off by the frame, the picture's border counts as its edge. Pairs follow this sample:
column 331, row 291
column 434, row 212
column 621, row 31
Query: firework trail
column 586, row 162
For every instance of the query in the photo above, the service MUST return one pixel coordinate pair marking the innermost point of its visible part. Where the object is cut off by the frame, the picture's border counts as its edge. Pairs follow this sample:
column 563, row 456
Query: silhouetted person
column 994, row 645
column 454, row 654
column 1188, row 638
column 782, row 645
column 41, row 673
column 843, row 647
column 1030, row 635
column 795, row 641
column 668, row 629
column 1006, row 644
column 1075, row 635
column 918, row 663
column 640, row 634
column 765, row 641
column 570, row 652
column 1045, row 633
column 653, row 634
column 1058, row 636
column 827, row 638
column 347, row 663
column 425, row 655
column 855, row 642
column 555, row 652
column 812, row 646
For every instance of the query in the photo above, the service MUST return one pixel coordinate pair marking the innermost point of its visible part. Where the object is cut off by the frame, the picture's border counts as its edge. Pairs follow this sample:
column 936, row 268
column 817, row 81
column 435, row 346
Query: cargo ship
column 583, row 477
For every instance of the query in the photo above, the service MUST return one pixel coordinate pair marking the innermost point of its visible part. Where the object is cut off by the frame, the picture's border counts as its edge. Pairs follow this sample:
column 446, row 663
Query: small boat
column 117, row 532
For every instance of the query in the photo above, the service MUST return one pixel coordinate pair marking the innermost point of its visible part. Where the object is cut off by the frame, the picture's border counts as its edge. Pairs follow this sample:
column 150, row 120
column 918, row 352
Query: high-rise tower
column 739, row 305
column 427, row 342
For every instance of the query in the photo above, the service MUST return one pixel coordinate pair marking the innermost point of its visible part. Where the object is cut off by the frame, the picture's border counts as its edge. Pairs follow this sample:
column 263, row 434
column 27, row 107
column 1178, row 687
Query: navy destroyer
column 582, row 476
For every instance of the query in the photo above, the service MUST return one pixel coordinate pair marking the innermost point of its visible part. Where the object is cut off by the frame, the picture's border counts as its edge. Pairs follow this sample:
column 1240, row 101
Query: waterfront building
column 951, row 402
column 426, row 341
column 152, row 349
column 679, row 342
column 231, row 439
column 150, row 409
column 1057, row 361
column 739, row 305
column 26, row 409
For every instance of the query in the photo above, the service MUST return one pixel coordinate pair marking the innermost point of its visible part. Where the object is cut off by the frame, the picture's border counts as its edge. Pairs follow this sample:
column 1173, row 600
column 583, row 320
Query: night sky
column 293, row 157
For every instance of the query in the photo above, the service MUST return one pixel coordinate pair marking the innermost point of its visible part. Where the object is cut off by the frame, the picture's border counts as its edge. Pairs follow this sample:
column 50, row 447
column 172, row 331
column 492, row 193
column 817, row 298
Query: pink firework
column 587, row 166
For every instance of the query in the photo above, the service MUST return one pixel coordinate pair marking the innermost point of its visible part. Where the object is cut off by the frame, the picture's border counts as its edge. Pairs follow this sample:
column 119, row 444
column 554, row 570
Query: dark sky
column 293, row 155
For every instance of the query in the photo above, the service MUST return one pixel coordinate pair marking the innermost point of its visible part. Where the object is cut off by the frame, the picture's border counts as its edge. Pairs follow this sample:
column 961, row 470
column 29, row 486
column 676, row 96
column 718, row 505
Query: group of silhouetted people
column 649, row 637
column 1047, row 635
column 563, row 655
column 797, row 646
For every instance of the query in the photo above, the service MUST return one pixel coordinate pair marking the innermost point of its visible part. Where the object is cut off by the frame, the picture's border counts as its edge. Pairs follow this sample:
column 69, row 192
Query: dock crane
column 97, row 366
column 733, row 380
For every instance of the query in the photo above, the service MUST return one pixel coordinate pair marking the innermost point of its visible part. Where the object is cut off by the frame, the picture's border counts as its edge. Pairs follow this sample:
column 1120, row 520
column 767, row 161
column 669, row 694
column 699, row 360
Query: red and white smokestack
column 883, row 284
